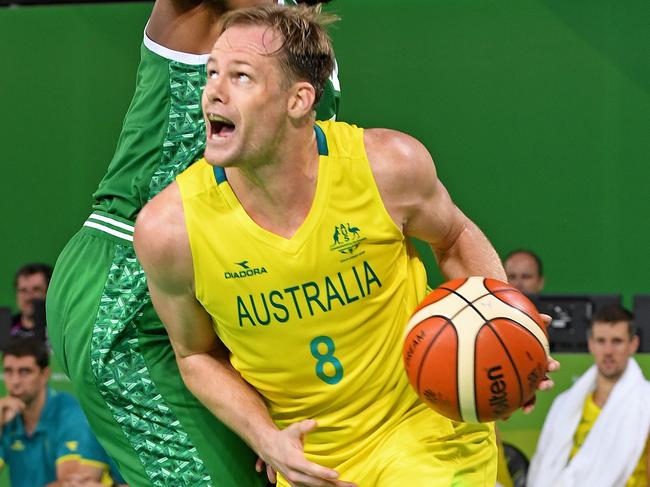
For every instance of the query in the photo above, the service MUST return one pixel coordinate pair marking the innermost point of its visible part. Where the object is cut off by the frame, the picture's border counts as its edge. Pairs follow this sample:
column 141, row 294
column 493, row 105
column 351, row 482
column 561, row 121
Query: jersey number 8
column 318, row 344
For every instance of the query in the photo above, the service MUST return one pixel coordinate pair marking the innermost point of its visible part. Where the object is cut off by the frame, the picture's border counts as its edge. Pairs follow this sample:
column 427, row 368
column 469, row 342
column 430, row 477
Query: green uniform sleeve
column 328, row 106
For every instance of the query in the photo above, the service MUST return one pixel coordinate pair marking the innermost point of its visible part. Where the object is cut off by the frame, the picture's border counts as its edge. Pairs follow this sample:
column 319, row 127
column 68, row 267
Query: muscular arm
column 161, row 243
column 203, row 361
column 190, row 25
column 421, row 206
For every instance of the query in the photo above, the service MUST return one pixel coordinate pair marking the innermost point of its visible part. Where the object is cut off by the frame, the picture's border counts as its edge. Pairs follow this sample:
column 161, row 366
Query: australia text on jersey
column 308, row 298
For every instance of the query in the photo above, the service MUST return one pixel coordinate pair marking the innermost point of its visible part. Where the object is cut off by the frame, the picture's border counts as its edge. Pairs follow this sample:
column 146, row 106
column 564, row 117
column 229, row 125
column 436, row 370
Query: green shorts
column 110, row 342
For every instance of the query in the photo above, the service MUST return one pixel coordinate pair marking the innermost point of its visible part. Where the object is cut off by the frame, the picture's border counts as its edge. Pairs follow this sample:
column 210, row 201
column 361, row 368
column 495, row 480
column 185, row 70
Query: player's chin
column 216, row 156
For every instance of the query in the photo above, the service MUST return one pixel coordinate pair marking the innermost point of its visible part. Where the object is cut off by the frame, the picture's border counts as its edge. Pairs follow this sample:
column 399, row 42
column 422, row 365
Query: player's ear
column 301, row 99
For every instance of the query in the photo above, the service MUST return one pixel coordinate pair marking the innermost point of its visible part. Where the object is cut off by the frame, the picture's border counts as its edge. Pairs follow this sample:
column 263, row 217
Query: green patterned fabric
column 164, row 449
column 122, row 366
column 185, row 139
column 148, row 423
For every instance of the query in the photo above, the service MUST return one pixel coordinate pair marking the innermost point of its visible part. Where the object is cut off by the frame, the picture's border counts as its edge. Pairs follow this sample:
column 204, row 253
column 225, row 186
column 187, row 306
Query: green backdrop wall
column 536, row 111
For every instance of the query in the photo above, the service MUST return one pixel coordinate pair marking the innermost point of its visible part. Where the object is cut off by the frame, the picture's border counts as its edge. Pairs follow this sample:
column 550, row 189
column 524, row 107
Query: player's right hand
column 10, row 407
column 287, row 457
column 547, row 383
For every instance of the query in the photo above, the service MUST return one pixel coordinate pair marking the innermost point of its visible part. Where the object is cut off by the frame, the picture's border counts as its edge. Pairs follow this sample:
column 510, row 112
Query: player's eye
column 243, row 77
column 212, row 74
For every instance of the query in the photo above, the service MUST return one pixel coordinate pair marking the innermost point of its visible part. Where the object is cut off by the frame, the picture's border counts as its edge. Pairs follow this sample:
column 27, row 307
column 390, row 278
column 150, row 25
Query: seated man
column 45, row 436
column 596, row 433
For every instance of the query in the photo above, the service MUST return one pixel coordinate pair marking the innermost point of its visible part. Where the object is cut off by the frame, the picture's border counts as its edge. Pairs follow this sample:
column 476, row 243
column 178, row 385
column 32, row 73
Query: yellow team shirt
column 315, row 322
column 590, row 413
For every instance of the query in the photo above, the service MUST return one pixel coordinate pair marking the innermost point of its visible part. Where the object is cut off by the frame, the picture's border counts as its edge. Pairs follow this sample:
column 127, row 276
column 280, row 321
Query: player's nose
column 216, row 90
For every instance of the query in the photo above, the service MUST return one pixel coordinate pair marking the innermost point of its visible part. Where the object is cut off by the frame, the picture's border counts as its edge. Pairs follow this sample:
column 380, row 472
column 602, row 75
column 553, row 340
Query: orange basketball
column 475, row 349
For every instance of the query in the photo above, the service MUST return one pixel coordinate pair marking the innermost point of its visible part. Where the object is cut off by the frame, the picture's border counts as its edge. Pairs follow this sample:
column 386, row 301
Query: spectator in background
column 596, row 433
column 524, row 270
column 31, row 283
column 46, row 439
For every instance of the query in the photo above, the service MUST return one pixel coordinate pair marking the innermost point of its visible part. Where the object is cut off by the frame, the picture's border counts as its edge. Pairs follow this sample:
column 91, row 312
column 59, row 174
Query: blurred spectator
column 596, row 433
column 524, row 270
column 31, row 284
column 45, row 438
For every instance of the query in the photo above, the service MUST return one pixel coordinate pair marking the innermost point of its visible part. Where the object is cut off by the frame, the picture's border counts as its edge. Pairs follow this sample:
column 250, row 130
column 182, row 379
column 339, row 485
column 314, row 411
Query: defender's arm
column 190, row 25
column 421, row 206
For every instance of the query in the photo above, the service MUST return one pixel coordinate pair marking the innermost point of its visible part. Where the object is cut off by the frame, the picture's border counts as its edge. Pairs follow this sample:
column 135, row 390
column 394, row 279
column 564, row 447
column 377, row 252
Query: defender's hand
column 270, row 473
column 287, row 457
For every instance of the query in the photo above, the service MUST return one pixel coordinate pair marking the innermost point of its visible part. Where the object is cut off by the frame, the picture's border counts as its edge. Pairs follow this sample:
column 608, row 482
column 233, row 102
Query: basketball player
column 286, row 247
column 101, row 322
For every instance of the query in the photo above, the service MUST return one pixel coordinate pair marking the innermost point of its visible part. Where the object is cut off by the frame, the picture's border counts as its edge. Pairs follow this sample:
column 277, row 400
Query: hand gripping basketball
column 476, row 350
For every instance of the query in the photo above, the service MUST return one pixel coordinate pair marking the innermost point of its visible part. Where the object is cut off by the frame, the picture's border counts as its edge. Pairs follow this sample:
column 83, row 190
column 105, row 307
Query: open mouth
column 220, row 126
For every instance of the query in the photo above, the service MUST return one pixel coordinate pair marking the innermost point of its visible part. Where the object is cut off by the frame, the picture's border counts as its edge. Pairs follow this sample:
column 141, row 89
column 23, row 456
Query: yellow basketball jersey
column 590, row 413
column 314, row 322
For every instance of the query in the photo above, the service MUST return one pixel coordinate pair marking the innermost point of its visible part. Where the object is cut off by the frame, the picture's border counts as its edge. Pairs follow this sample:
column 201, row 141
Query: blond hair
column 306, row 53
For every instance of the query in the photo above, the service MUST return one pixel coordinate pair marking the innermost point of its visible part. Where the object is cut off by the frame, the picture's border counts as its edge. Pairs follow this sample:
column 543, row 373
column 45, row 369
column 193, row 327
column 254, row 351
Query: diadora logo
column 245, row 270
column 346, row 239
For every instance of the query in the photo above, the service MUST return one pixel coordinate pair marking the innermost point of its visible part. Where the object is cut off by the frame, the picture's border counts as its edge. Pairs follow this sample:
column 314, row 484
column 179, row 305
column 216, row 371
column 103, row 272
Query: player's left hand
column 270, row 472
column 547, row 383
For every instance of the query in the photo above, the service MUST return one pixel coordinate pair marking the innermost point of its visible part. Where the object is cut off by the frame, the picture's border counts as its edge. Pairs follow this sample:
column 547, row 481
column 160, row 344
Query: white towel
column 612, row 448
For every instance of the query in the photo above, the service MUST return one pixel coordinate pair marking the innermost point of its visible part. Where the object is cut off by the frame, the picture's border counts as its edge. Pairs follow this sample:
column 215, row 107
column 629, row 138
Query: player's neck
column 603, row 389
column 279, row 193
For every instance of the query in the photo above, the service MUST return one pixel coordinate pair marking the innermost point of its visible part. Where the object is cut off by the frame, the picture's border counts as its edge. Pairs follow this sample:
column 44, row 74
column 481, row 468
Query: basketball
column 475, row 349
